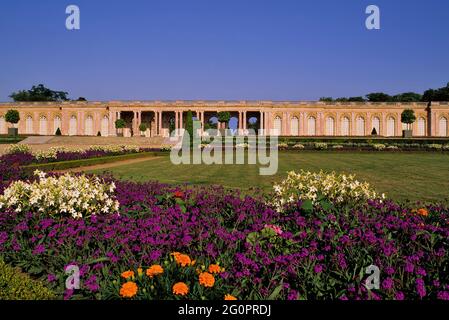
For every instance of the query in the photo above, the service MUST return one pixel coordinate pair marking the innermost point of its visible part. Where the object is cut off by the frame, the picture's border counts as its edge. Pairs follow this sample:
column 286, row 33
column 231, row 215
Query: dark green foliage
column 120, row 124
column 58, row 132
column 408, row 116
column 12, row 116
column 39, row 93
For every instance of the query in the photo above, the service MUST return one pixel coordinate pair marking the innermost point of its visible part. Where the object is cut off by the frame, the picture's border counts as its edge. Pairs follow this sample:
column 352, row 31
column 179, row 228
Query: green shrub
column 58, row 132
column 15, row 285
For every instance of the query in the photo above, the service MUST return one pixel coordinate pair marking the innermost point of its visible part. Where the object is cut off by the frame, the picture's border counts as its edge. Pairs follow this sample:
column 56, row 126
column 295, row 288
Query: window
column 277, row 126
column 43, row 126
column 376, row 124
column 29, row 125
column 89, row 126
column 72, row 126
column 421, row 127
column 311, row 126
column 330, row 126
column 345, row 126
column 360, row 126
column 294, row 126
column 105, row 126
column 391, row 127
column 442, row 132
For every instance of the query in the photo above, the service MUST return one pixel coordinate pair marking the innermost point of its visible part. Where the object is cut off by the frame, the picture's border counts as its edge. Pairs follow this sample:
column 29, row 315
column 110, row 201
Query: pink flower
column 275, row 228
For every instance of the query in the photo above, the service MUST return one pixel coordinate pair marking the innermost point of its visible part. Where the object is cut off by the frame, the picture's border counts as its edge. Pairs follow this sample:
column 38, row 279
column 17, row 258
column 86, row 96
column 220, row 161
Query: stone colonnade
column 280, row 118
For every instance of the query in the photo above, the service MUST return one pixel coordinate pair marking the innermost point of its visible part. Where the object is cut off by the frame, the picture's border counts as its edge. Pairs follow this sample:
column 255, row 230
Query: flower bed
column 299, row 252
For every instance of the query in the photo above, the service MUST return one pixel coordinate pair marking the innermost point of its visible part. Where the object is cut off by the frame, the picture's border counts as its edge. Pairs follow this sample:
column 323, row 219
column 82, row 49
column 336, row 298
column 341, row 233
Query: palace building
column 281, row 118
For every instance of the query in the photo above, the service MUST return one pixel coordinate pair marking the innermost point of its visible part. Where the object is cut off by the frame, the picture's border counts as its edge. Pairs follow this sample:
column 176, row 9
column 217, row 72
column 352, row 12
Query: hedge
column 15, row 285
column 63, row 165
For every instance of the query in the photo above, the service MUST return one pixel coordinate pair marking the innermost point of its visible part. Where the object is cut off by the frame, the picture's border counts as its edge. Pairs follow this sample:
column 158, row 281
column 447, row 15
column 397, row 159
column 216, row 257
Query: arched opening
column 360, row 126
column 43, row 126
column 311, row 126
column 294, row 126
column 345, row 128
column 376, row 125
column 277, row 126
column 105, row 126
column 391, row 127
column 29, row 125
column 73, row 126
column 57, row 123
column 421, row 127
column 330, row 126
column 3, row 128
column 89, row 126
column 442, row 132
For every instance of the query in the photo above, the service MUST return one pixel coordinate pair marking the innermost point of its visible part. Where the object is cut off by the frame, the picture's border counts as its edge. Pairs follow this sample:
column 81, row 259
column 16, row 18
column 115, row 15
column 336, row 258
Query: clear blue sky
column 227, row 49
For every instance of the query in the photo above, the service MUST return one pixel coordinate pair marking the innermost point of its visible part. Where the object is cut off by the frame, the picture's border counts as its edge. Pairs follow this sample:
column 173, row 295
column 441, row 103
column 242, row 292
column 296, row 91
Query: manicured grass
column 402, row 176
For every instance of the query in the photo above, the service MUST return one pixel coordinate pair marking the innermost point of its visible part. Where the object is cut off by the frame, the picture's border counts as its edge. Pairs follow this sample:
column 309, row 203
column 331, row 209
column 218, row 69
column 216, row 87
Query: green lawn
column 402, row 176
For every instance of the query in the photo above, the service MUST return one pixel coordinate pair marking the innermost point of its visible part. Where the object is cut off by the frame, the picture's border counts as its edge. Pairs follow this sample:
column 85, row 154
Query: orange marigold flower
column 214, row 268
column 229, row 297
column 128, row 274
column 155, row 270
column 182, row 259
column 128, row 289
column 206, row 279
column 423, row 212
column 180, row 289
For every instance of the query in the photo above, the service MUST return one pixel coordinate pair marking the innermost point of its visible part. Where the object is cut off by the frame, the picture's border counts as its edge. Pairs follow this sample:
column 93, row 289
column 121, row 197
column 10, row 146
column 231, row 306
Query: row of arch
column 43, row 126
column 360, row 126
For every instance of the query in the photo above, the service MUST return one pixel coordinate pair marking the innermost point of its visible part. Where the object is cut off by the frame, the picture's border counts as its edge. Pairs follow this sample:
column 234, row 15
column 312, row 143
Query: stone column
column 181, row 124
column 244, row 120
column 176, row 120
column 261, row 123
column 160, row 123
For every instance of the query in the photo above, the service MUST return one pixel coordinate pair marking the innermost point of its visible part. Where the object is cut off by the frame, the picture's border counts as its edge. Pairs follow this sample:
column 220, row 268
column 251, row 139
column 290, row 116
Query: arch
column 105, row 126
column 360, row 126
column 89, row 126
column 277, row 125
column 3, row 128
column 391, row 127
column 345, row 126
column 376, row 124
column 311, row 126
column 330, row 126
column 57, row 124
column 294, row 126
column 73, row 123
column 421, row 127
column 43, row 126
column 29, row 125
column 442, row 127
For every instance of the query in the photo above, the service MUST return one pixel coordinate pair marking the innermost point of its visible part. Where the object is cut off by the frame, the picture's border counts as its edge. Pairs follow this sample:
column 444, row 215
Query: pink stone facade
column 282, row 118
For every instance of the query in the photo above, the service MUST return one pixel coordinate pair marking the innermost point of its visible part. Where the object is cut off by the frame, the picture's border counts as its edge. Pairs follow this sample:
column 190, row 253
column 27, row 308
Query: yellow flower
column 155, row 270
column 206, row 279
column 229, row 297
column 139, row 272
column 214, row 268
column 180, row 289
column 128, row 274
column 128, row 289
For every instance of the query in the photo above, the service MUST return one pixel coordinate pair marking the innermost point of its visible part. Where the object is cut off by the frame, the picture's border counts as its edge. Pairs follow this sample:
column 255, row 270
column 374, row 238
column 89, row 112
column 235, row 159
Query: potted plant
column 120, row 124
column 142, row 128
column 408, row 117
column 13, row 117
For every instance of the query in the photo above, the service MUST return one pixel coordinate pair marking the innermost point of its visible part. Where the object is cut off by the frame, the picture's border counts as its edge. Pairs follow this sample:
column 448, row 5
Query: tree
column 39, row 93
column 326, row 99
column 120, row 123
column 378, row 97
column 81, row 99
column 12, row 116
column 408, row 117
column 58, row 132
column 189, row 128
column 374, row 132
column 143, row 127
column 441, row 94
column 407, row 97
column 224, row 116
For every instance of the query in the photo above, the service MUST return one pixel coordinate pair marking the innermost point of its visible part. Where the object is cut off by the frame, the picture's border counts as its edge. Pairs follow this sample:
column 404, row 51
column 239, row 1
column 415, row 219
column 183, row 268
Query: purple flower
column 39, row 249
column 318, row 268
column 399, row 296
column 443, row 295
column 388, row 284
column 420, row 287
column 51, row 278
